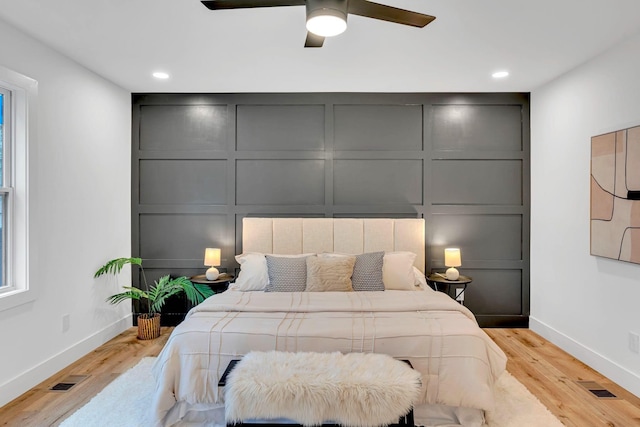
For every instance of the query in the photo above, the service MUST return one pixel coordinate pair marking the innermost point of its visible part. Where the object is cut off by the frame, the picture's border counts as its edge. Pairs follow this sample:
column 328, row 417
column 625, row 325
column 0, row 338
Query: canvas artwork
column 615, row 195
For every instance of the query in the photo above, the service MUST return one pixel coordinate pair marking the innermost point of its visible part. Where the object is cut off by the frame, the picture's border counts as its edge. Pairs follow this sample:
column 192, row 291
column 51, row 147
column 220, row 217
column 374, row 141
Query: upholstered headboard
column 344, row 235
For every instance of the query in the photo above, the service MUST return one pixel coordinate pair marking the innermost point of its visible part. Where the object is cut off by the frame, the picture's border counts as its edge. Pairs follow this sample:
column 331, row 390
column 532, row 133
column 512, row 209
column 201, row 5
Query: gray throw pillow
column 286, row 274
column 367, row 272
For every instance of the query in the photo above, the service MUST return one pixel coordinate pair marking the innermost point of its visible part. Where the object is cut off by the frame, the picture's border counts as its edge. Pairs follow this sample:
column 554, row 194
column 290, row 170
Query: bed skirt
column 184, row 414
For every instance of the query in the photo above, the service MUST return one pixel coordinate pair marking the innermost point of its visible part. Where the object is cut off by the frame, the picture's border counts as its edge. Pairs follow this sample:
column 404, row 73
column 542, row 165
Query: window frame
column 19, row 131
column 6, row 190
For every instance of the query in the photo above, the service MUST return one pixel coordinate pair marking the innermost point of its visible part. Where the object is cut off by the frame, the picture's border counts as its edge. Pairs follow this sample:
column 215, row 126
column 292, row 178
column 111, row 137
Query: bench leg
column 406, row 420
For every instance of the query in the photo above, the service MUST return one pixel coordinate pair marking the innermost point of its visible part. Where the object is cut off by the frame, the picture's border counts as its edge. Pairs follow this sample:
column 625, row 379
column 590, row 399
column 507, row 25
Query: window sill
column 16, row 297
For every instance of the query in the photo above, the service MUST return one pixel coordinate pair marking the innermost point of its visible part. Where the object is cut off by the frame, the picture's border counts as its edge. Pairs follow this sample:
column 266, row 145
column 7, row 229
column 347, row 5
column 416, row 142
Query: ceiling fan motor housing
column 337, row 8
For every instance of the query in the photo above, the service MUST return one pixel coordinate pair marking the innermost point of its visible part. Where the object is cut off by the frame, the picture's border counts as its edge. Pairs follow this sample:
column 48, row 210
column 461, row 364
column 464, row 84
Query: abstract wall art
column 615, row 195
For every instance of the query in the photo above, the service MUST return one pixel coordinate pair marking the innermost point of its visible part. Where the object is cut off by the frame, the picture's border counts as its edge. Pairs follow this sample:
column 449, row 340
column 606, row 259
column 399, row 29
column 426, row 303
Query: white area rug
column 126, row 402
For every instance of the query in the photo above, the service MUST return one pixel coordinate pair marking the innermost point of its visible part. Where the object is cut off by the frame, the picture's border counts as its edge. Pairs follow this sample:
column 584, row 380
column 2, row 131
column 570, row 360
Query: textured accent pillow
column 397, row 271
column 286, row 274
column 253, row 272
column 367, row 272
column 330, row 274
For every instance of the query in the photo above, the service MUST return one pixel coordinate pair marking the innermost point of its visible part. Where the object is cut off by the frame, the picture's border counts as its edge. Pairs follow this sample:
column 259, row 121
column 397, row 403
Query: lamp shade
column 211, row 257
column 452, row 257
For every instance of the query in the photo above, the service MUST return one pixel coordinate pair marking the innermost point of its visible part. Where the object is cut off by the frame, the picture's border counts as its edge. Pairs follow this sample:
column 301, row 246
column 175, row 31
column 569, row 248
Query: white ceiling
column 261, row 50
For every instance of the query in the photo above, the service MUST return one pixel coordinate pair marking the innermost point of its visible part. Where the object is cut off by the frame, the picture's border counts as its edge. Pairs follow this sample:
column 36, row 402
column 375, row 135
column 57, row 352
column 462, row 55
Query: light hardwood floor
column 40, row 407
column 551, row 374
column 548, row 372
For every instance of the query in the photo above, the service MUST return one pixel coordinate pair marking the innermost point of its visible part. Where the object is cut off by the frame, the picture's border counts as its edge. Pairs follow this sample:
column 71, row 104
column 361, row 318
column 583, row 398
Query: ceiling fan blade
column 389, row 13
column 313, row 40
column 244, row 4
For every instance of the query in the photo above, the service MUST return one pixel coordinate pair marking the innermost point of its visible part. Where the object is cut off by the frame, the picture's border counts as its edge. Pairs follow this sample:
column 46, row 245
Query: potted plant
column 152, row 297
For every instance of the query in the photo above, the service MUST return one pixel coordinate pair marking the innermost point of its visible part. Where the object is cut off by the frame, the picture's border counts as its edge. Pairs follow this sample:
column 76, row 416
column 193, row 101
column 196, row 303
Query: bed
column 459, row 363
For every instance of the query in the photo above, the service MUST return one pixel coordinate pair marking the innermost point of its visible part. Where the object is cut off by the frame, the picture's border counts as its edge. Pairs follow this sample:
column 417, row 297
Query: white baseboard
column 34, row 376
column 620, row 375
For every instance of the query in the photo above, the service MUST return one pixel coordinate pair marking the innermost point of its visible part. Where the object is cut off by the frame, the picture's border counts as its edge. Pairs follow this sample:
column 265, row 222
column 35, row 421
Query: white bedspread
column 459, row 363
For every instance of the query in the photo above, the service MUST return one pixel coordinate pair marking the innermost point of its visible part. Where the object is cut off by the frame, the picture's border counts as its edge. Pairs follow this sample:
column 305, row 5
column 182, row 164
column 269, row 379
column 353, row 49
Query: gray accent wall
column 202, row 162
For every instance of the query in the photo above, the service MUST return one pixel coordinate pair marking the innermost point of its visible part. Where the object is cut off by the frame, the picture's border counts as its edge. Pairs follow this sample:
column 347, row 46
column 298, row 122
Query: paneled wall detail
column 182, row 127
column 377, row 182
column 378, row 127
column 202, row 162
column 280, row 182
column 477, row 127
column 477, row 182
column 280, row 127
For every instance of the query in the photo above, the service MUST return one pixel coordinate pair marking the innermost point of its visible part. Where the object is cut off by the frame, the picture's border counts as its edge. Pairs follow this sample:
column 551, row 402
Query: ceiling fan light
column 326, row 25
column 326, row 18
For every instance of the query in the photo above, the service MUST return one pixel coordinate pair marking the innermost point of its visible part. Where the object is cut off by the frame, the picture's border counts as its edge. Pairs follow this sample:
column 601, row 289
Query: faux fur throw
column 354, row 389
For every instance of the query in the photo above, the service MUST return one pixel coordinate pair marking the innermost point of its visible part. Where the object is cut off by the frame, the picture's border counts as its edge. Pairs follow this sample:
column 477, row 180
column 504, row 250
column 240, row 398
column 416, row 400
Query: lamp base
column 452, row 273
column 212, row 273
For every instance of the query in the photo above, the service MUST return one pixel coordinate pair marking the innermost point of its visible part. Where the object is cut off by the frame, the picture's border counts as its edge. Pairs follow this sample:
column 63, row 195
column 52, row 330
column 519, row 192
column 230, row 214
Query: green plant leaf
column 156, row 295
column 157, row 305
column 164, row 288
column 131, row 293
column 204, row 290
column 115, row 265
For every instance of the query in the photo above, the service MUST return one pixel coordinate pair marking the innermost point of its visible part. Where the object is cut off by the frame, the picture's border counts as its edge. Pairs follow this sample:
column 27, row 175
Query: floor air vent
column 597, row 390
column 68, row 383
column 62, row 387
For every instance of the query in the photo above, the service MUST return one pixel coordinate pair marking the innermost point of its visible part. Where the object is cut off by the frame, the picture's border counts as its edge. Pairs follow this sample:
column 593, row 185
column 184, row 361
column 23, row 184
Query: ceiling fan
column 327, row 18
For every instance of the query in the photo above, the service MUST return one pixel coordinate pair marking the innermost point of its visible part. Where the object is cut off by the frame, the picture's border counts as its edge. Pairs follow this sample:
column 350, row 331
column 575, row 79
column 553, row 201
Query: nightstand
column 218, row 285
column 440, row 283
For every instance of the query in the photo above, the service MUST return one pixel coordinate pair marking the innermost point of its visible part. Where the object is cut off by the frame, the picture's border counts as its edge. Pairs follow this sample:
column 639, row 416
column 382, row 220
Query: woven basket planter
column 148, row 326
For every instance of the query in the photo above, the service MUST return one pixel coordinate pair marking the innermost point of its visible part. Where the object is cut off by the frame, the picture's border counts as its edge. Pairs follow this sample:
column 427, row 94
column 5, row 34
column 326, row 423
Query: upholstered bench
column 353, row 389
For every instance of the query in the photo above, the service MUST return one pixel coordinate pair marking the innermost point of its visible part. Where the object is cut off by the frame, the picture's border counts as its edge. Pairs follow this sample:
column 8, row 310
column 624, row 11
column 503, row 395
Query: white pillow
column 254, row 274
column 419, row 280
column 397, row 271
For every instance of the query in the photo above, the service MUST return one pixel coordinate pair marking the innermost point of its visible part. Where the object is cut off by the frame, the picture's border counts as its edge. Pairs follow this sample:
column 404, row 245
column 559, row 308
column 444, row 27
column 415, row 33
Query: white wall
column 79, row 214
column 584, row 304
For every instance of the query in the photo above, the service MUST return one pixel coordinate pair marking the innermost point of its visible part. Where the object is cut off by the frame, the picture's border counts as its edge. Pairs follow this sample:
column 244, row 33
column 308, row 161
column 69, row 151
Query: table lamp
column 452, row 260
column 211, row 259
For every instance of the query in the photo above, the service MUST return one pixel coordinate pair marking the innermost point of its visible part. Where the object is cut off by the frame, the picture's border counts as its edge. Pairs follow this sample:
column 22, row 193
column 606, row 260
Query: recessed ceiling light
column 160, row 75
column 500, row 74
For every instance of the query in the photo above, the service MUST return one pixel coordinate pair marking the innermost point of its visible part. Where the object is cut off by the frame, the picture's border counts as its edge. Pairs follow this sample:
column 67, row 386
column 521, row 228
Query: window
column 17, row 132
column 5, row 181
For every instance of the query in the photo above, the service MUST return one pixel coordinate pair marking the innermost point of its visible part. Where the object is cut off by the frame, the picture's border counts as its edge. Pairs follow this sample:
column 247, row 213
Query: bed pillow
column 419, row 280
column 330, row 274
column 286, row 274
column 397, row 271
column 367, row 272
column 253, row 274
